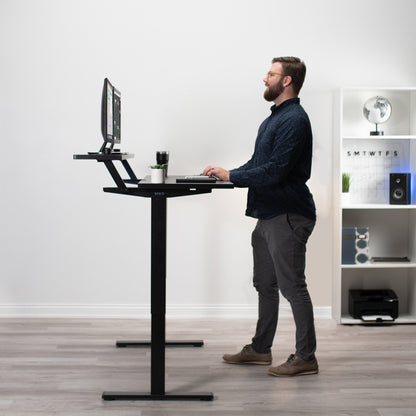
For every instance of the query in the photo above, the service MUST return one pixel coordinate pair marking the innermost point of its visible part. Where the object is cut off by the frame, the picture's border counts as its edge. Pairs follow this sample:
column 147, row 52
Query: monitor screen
column 116, row 115
column 110, row 114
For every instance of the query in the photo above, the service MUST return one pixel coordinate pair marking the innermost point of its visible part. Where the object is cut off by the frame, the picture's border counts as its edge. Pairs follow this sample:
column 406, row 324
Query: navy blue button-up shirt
column 277, row 173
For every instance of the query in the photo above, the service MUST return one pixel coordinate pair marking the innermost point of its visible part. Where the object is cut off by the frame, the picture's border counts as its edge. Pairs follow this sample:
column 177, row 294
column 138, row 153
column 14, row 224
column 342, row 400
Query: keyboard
column 197, row 179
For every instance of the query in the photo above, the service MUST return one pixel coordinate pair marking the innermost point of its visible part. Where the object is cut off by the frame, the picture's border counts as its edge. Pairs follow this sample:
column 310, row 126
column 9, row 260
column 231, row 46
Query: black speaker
column 400, row 188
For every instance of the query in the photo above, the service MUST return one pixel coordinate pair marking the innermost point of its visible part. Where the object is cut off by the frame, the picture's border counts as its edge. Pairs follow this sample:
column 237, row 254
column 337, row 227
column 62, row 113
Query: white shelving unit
column 392, row 228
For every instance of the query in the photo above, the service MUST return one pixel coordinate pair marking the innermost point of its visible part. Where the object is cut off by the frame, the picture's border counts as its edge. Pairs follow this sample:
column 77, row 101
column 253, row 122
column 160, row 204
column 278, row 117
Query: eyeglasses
column 273, row 74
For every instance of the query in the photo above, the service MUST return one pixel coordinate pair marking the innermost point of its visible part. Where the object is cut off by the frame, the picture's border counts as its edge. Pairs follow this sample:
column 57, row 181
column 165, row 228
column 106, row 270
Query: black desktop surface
column 170, row 188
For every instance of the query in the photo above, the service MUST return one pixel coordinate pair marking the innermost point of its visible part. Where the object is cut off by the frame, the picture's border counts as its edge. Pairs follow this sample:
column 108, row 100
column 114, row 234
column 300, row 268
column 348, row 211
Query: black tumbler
column 162, row 158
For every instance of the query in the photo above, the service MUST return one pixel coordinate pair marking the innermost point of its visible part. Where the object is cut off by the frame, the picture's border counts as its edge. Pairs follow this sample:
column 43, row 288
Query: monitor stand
column 105, row 149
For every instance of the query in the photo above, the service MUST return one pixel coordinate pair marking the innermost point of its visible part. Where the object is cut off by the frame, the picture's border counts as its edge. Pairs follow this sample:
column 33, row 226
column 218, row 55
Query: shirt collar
column 284, row 104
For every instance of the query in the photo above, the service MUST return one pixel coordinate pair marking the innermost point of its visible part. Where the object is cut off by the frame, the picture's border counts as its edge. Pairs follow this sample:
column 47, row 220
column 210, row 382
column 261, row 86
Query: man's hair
column 295, row 68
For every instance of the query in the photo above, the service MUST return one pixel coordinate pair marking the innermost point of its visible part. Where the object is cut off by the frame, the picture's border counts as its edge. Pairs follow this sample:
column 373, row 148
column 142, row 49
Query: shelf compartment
column 390, row 232
column 401, row 122
column 401, row 280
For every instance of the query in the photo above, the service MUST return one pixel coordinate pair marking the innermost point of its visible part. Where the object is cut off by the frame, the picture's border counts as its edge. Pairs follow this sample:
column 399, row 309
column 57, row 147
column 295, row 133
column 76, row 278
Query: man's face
column 274, row 82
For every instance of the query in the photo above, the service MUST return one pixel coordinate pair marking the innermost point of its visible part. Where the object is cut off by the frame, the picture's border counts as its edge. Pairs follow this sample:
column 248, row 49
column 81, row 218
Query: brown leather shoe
column 295, row 366
column 248, row 356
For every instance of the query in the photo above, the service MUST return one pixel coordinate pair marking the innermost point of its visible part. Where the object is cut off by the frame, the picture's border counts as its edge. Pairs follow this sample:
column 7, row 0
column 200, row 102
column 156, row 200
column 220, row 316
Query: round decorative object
column 377, row 110
column 362, row 244
column 362, row 258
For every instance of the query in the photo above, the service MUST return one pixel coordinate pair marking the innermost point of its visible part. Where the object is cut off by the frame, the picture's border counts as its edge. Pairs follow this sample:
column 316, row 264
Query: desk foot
column 138, row 344
column 149, row 396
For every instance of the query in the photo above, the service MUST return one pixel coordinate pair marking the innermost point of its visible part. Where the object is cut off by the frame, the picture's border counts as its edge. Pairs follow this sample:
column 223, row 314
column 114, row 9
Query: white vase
column 158, row 175
column 345, row 199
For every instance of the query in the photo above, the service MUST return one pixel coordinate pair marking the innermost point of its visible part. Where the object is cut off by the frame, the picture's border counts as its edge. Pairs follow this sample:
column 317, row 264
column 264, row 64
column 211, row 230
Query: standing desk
column 158, row 192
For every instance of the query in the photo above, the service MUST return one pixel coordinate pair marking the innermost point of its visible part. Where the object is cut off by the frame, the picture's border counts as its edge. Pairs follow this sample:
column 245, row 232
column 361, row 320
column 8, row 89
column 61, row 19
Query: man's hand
column 220, row 173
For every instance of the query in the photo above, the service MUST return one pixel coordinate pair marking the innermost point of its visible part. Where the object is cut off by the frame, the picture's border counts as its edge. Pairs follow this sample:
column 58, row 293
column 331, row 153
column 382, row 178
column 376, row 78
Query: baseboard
column 143, row 311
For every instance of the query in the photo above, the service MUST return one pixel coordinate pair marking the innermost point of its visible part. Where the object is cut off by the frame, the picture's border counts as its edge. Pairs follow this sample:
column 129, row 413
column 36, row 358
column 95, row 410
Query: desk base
column 149, row 396
column 139, row 344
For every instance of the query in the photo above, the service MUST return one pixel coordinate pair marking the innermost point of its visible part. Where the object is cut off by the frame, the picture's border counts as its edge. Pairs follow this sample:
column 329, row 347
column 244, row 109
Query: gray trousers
column 279, row 247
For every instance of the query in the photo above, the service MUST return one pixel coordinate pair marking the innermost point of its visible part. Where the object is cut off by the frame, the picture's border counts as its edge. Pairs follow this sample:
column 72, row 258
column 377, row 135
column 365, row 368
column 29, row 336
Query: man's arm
column 284, row 155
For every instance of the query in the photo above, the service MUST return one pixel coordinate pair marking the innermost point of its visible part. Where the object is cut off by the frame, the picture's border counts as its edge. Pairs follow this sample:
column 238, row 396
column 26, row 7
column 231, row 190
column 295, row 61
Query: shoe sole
column 304, row 373
column 249, row 362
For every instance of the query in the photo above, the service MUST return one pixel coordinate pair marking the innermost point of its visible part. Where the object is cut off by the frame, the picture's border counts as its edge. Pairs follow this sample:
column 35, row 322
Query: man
column 278, row 197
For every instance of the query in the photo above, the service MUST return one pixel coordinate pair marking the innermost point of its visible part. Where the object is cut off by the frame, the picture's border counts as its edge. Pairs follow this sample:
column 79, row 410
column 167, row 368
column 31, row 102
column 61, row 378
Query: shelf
column 394, row 265
column 368, row 88
column 398, row 137
column 392, row 228
column 378, row 206
column 402, row 319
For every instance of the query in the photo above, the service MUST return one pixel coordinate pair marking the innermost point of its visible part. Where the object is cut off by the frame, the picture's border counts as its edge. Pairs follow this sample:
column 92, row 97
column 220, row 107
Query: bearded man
column 279, row 199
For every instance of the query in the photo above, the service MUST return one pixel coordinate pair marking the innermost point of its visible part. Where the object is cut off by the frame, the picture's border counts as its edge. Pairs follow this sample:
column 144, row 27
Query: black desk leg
column 158, row 263
column 158, row 309
column 158, row 294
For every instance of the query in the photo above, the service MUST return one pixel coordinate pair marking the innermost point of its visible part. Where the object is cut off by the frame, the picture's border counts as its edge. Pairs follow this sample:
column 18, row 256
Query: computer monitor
column 110, row 116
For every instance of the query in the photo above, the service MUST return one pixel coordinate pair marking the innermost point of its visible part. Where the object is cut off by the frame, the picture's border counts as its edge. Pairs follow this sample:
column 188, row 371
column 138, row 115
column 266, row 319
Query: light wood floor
column 61, row 367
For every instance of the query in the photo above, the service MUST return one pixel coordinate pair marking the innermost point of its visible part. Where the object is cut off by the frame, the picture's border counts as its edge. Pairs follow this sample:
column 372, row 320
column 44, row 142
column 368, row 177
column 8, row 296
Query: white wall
column 190, row 73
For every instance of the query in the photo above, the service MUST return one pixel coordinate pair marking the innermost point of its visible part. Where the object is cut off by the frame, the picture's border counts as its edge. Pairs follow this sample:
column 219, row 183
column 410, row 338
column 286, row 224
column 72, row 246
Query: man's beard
column 273, row 92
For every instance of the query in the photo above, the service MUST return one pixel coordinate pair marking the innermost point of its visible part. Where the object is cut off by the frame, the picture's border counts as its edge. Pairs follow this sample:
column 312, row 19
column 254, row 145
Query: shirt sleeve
column 244, row 167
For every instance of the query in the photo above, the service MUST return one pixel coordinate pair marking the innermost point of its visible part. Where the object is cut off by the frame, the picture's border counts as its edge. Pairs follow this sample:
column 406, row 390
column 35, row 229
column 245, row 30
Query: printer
column 375, row 305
